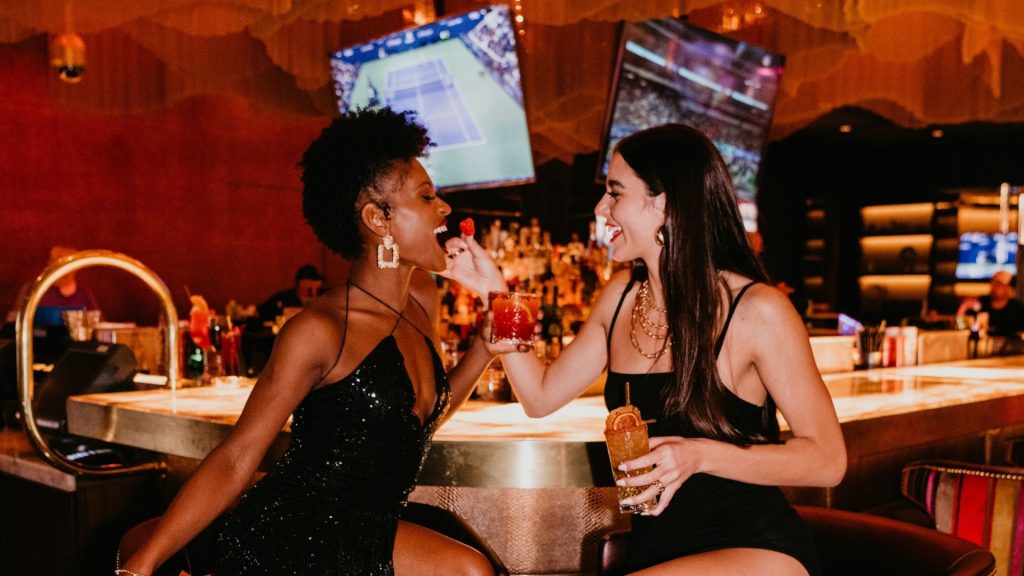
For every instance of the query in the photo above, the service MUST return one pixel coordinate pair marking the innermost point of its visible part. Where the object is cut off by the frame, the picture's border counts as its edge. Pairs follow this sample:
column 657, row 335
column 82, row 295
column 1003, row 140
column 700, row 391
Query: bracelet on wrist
column 126, row 572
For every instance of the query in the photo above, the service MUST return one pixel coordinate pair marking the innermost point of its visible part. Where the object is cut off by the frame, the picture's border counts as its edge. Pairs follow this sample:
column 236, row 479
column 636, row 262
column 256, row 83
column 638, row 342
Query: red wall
column 205, row 194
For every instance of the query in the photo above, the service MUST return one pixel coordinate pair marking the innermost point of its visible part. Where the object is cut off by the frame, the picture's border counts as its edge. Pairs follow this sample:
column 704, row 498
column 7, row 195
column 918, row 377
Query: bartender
column 308, row 285
column 1005, row 312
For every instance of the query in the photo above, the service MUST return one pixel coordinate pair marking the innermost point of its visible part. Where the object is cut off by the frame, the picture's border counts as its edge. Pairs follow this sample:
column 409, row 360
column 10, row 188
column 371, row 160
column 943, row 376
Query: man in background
column 66, row 293
column 1005, row 312
column 308, row 285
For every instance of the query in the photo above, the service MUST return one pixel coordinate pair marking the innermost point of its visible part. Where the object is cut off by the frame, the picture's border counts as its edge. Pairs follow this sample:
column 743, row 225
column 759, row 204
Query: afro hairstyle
column 346, row 166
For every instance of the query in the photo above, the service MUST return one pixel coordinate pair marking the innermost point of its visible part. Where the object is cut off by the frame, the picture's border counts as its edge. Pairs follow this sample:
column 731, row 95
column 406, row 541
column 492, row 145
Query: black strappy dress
column 707, row 512
column 331, row 503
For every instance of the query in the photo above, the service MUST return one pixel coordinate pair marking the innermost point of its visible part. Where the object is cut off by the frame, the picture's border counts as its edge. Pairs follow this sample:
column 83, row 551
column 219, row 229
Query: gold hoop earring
column 659, row 236
column 387, row 244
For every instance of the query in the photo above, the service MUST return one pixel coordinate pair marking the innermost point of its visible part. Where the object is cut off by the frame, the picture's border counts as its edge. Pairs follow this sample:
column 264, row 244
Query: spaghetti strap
column 344, row 337
column 399, row 313
column 615, row 316
column 425, row 313
column 720, row 341
column 395, row 325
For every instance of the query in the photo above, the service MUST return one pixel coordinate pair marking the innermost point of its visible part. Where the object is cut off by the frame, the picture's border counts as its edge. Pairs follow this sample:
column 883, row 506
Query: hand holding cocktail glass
column 513, row 318
column 511, row 322
column 626, row 436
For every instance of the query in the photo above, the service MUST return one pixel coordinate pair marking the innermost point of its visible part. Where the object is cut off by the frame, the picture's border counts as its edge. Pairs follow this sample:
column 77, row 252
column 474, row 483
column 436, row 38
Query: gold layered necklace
column 641, row 317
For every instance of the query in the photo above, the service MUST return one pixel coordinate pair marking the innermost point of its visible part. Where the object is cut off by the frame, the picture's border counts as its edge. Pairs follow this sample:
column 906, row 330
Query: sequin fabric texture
column 331, row 503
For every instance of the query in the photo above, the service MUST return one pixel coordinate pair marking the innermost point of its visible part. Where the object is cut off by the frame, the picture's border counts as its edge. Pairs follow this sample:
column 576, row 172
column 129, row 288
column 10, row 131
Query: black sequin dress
column 331, row 503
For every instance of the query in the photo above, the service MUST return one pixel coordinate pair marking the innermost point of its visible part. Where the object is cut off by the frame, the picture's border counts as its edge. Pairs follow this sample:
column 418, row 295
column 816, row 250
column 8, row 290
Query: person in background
column 710, row 350
column 1005, row 312
column 308, row 285
column 358, row 370
column 67, row 293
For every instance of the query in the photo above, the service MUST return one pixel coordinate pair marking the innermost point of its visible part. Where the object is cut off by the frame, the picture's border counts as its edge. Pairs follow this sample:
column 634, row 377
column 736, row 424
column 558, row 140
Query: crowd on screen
column 492, row 41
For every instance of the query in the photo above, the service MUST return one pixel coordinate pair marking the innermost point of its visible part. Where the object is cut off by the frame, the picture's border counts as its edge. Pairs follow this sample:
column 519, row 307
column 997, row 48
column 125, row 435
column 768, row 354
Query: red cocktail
column 199, row 327
column 515, row 316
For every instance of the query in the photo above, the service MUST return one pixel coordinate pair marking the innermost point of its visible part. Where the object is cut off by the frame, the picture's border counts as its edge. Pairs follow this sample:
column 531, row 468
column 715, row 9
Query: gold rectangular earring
column 387, row 244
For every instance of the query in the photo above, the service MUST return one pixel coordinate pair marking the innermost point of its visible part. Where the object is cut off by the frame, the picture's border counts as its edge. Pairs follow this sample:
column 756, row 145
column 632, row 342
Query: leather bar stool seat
column 851, row 543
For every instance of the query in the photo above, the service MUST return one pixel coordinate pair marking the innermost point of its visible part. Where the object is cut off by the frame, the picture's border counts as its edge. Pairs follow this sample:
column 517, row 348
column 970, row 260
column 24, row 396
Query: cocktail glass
column 515, row 317
column 624, row 445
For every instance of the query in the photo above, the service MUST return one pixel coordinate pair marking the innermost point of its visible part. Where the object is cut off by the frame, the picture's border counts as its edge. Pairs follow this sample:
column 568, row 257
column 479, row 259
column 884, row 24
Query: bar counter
column 518, row 479
column 488, row 444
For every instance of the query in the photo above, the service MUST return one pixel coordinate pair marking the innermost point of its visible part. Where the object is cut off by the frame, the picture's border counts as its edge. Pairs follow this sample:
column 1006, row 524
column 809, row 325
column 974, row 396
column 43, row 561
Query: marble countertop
column 496, row 444
column 856, row 395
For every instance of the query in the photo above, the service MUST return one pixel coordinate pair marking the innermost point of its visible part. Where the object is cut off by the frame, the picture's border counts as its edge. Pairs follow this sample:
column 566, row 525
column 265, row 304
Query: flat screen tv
column 983, row 254
column 670, row 71
column 460, row 75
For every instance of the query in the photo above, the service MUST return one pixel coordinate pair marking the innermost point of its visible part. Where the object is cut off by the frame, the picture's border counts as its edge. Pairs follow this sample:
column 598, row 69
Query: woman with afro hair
column 358, row 371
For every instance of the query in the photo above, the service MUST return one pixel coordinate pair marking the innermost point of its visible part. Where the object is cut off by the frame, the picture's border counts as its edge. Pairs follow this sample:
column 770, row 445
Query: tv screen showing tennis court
column 461, row 77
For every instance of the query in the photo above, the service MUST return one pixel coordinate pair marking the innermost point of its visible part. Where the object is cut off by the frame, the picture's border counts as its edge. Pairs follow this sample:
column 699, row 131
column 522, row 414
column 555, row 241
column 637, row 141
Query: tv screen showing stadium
column 669, row 71
column 461, row 76
column 983, row 254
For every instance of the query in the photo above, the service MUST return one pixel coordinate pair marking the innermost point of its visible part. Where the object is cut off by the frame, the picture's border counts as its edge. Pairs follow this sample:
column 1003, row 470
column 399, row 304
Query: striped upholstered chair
column 980, row 503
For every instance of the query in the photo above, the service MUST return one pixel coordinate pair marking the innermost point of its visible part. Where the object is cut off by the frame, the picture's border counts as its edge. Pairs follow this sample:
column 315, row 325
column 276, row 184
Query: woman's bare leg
column 729, row 562
column 420, row 551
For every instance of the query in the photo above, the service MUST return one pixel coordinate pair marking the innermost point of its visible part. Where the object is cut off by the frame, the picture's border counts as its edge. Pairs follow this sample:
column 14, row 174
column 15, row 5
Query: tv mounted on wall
column 670, row 71
column 983, row 254
column 460, row 75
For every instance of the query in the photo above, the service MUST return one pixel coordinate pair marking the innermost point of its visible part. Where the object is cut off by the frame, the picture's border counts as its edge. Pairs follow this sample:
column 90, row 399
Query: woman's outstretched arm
column 543, row 389
column 295, row 365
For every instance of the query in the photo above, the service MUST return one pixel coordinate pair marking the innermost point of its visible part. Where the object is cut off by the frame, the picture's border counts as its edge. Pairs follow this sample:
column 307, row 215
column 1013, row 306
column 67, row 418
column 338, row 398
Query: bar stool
column 977, row 502
column 453, row 526
column 851, row 543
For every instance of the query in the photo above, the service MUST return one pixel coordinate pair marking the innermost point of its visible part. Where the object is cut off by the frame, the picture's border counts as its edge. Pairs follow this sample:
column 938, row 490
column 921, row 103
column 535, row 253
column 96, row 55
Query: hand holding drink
column 626, row 435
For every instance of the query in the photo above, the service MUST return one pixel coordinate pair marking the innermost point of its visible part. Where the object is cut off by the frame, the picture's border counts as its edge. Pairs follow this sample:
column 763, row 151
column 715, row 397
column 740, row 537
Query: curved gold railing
column 24, row 329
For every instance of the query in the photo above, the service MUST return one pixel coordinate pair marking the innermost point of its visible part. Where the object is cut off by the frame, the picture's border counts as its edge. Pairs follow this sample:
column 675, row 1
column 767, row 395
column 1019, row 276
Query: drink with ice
column 515, row 316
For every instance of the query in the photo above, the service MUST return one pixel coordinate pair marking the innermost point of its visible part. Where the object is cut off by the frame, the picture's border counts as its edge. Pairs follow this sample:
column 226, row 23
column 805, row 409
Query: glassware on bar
column 81, row 323
column 626, row 437
column 199, row 322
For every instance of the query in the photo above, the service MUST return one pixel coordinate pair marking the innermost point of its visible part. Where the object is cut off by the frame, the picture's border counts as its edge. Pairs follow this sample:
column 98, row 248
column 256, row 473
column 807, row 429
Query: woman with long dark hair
column 711, row 350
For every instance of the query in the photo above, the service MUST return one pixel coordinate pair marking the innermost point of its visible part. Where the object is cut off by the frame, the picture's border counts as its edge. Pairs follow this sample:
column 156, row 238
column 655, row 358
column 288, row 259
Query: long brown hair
column 703, row 235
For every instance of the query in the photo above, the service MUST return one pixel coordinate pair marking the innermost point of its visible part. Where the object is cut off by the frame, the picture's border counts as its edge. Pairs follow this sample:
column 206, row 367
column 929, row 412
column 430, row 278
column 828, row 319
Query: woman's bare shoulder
column 765, row 312
column 317, row 329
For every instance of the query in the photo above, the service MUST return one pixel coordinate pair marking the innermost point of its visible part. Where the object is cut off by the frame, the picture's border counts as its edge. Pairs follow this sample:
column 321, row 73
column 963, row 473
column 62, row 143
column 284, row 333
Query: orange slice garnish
column 624, row 417
column 524, row 311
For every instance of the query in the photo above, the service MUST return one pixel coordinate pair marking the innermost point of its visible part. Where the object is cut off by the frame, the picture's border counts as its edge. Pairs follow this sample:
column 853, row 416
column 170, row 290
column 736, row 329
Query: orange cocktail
column 626, row 436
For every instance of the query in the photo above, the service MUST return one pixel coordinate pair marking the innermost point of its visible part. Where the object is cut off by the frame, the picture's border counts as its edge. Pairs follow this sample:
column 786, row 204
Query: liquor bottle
column 552, row 319
column 195, row 359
